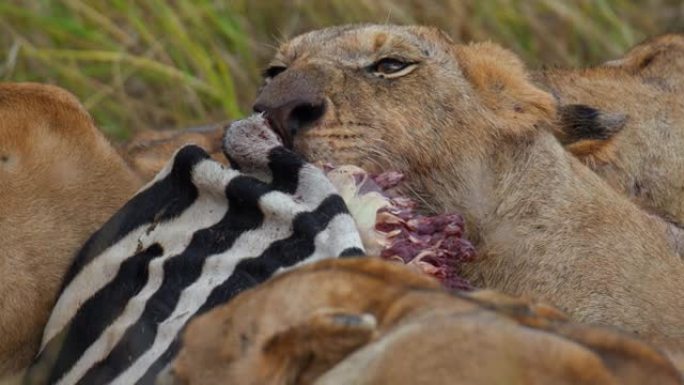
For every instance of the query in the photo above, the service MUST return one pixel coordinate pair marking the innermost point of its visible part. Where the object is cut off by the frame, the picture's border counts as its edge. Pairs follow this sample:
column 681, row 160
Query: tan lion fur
column 148, row 151
column 642, row 158
column 659, row 60
column 365, row 321
column 472, row 133
column 60, row 181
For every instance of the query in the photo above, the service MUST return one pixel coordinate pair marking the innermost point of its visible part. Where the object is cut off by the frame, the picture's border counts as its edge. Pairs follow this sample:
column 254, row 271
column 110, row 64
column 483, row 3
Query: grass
column 159, row 63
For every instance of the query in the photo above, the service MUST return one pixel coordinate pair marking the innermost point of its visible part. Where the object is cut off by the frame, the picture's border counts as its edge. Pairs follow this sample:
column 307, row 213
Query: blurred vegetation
column 139, row 64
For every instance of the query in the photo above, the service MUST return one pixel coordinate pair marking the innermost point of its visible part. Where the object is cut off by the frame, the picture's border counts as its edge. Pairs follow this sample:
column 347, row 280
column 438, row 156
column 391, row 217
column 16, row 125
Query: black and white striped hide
column 190, row 240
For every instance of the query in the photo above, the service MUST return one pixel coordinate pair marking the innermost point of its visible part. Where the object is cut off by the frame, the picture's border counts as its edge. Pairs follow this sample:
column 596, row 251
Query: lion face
column 362, row 87
column 405, row 98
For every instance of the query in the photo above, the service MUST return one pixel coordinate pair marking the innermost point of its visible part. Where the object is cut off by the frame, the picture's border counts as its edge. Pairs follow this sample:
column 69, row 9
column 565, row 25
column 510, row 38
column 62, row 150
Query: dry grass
column 157, row 64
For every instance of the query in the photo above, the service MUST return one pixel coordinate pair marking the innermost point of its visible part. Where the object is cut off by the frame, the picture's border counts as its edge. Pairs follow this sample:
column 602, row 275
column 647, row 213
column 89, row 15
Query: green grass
column 159, row 64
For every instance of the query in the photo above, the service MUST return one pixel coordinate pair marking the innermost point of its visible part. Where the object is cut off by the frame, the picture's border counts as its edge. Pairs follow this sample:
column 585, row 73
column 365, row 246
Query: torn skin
column 391, row 228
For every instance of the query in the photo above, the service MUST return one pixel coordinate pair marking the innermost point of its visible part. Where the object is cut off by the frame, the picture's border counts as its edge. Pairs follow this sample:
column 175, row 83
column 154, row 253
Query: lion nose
column 291, row 117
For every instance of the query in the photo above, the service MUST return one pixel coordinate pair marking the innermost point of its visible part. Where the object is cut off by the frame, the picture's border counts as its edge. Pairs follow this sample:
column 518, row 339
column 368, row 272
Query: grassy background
column 176, row 63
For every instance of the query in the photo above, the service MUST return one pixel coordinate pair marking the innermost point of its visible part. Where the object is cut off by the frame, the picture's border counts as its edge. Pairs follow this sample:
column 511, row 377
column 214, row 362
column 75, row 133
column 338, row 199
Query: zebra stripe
column 192, row 239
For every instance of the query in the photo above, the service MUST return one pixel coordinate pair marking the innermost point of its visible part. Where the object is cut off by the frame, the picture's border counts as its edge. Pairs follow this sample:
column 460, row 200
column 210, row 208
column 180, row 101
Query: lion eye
column 272, row 72
column 391, row 68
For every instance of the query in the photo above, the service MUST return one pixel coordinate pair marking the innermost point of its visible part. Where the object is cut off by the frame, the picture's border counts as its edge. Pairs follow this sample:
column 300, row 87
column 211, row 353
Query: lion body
column 60, row 181
column 366, row 321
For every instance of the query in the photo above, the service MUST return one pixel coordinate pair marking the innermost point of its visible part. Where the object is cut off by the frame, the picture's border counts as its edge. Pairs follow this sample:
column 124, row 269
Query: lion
column 368, row 321
column 634, row 140
column 474, row 134
column 148, row 151
column 61, row 179
column 658, row 60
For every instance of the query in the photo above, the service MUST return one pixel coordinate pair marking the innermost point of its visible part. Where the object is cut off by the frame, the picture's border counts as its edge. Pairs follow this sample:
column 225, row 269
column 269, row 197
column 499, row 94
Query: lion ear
column 587, row 132
column 656, row 54
column 581, row 122
column 313, row 346
column 500, row 80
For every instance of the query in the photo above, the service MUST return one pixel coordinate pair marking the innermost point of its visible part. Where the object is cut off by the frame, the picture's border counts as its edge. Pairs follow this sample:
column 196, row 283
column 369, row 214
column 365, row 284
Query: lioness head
column 377, row 96
column 625, row 120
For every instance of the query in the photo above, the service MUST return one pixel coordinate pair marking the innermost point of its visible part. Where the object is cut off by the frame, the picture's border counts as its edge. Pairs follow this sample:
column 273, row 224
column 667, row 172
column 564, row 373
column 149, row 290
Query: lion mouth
column 285, row 135
column 328, row 142
column 288, row 123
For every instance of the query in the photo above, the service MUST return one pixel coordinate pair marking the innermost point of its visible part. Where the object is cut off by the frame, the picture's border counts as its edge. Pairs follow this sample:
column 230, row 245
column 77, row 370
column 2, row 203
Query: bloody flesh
column 391, row 226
